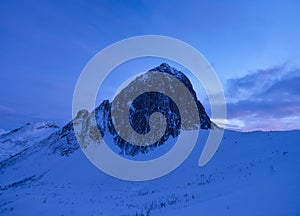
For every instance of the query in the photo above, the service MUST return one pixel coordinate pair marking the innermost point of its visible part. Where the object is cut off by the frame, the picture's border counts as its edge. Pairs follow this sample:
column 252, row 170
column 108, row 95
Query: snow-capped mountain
column 15, row 141
column 254, row 173
column 141, row 109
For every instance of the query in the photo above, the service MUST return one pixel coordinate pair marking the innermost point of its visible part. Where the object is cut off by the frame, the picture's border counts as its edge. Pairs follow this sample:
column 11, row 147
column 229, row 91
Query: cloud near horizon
column 265, row 100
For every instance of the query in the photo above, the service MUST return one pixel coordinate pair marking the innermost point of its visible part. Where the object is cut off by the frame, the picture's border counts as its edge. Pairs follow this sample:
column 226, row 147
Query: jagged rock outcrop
column 140, row 110
column 65, row 142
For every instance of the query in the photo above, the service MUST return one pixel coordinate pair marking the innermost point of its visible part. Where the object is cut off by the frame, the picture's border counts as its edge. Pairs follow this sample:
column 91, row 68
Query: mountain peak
column 141, row 108
column 164, row 67
column 45, row 125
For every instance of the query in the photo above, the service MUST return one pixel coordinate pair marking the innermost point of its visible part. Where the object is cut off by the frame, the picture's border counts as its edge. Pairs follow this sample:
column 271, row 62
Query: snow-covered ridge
column 2, row 131
column 15, row 141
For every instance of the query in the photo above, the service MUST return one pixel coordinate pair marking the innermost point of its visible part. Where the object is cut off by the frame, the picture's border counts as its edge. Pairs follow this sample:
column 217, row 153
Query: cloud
column 266, row 99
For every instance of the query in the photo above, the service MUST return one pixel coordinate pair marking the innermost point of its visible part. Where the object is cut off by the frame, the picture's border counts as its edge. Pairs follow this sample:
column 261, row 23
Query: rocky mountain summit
column 141, row 108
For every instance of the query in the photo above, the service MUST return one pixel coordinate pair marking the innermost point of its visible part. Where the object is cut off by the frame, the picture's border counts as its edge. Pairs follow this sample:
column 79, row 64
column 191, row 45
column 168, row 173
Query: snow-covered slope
column 253, row 173
column 15, row 141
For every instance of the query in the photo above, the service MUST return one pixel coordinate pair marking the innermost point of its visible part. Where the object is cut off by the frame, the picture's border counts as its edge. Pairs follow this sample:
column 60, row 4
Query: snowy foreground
column 254, row 173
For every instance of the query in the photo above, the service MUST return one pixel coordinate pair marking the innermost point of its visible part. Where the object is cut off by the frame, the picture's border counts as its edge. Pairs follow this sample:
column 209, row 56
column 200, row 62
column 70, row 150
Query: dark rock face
column 205, row 122
column 145, row 105
column 63, row 141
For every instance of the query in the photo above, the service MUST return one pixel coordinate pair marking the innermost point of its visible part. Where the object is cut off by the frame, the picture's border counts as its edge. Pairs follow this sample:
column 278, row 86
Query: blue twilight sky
column 252, row 45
